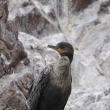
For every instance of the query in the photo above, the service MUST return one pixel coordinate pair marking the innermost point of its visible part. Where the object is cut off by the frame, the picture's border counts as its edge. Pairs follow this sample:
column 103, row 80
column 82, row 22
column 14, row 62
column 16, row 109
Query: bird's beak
column 59, row 50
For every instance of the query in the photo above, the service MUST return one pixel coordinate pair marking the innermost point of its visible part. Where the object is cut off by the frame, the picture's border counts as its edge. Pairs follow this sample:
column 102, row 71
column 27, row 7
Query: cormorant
column 52, row 90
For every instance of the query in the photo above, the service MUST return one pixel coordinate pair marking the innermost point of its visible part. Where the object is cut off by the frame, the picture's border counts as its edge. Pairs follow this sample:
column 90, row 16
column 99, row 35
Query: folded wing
column 38, row 87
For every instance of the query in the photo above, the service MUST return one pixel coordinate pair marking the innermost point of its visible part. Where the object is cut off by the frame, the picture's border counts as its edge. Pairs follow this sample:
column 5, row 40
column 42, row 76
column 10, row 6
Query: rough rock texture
column 84, row 23
column 11, row 53
column 32, row 20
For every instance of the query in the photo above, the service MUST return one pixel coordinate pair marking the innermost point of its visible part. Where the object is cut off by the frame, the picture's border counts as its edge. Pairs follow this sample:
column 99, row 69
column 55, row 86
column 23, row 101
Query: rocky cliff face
column 33, row 19
column 11, row 53
column 28, row 26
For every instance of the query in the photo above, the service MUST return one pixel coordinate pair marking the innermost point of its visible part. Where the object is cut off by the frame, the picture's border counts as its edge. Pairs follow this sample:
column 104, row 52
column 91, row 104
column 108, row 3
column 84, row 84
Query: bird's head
column 64, row 49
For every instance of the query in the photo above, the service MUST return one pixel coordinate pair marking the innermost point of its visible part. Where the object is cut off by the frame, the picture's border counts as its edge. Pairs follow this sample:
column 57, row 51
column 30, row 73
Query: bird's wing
column 37, row 88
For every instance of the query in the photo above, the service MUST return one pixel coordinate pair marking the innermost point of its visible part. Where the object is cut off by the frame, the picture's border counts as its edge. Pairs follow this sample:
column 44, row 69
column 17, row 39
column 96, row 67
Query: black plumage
column 52, row 90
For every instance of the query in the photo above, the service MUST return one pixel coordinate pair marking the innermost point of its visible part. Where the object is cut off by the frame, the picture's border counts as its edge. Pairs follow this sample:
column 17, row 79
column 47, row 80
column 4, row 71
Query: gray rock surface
column 12, row 89
column 83, row 23
column 32, row 20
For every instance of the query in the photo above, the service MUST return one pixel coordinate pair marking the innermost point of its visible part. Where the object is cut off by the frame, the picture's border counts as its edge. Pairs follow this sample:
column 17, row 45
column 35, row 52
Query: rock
column 12, row 90
column 29, row 18
column 81, row 4
column 85, row 24
column 11, row 47
column 4, row 50
column 3, row 11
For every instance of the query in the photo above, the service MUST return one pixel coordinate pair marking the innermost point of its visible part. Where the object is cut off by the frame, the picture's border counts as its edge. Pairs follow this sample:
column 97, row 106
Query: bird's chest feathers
column 61, row 75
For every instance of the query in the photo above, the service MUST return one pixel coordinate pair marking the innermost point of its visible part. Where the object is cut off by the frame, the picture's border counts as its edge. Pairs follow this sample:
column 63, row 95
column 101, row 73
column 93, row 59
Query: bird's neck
column 69, row 55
